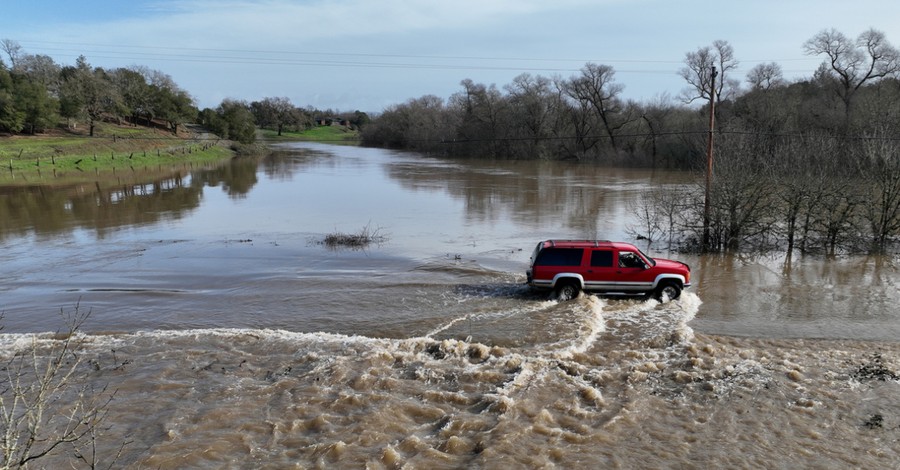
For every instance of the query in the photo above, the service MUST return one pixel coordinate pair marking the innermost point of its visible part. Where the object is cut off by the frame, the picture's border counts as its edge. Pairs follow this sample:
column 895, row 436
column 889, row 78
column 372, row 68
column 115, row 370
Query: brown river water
column 234, row 338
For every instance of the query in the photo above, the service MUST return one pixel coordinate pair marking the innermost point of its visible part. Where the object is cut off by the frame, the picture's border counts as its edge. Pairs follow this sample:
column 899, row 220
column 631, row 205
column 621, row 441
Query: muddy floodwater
column 234, row 338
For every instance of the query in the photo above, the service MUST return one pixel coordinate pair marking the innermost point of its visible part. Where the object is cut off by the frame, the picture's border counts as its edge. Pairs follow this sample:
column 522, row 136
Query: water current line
column 477, row 316
column 596, row 324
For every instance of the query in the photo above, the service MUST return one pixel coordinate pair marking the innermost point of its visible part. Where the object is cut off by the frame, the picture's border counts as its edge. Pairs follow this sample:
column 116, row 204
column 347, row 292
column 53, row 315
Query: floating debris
column 875, row 370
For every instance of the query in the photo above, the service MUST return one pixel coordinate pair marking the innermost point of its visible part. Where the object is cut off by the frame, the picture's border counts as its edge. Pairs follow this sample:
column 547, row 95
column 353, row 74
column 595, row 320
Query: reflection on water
column 112, row 201
column 236, row 246
column 852, row 297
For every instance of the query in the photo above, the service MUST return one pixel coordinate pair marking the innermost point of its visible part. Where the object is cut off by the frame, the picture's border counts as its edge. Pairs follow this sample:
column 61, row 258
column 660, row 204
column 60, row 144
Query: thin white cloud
column 274, row 21
column 365, row 53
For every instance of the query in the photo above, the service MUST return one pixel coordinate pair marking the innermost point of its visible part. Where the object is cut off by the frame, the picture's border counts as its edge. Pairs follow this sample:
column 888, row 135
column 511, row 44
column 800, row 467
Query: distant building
column 332, row 121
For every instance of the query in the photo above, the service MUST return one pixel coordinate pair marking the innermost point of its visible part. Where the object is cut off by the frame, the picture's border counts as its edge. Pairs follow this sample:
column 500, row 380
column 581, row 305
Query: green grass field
column 70, row 155
column 332, row 134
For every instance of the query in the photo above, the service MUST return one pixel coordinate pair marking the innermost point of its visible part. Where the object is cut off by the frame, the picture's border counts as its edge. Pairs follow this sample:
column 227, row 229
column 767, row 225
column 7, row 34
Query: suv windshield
column 649, row 259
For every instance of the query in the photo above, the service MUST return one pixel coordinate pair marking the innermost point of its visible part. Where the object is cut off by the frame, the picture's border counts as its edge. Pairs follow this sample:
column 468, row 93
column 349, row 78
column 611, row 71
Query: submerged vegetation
column 361, row 239
column 812, row 193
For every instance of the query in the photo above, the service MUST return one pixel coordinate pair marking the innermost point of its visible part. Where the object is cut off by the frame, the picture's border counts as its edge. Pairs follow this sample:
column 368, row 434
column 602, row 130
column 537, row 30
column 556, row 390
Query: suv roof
column 586, row 244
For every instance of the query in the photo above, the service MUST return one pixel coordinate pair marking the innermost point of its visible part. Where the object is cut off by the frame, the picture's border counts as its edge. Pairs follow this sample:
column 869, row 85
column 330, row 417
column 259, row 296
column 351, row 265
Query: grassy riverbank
column 72, row 155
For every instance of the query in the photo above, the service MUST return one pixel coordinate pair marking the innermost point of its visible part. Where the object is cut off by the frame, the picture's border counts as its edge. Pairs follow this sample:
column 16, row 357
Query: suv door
column 600, row 273
column 631, row 273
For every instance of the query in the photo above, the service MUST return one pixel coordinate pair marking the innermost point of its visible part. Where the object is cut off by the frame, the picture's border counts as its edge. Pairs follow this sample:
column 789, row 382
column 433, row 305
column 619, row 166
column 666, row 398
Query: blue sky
column 366, row 54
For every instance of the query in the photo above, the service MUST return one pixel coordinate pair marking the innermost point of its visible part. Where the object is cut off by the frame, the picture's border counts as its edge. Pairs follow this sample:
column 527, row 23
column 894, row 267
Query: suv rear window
column 602, row 258
column 559, row 257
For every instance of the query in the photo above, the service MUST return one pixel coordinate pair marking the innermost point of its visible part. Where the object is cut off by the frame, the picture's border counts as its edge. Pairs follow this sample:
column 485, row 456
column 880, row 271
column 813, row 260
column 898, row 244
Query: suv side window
column 559, row 257
column 628, row 259
column 602, row 258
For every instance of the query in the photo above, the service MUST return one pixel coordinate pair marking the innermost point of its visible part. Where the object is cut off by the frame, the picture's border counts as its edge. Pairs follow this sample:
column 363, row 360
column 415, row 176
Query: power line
column 290, row 58
column 357, row 54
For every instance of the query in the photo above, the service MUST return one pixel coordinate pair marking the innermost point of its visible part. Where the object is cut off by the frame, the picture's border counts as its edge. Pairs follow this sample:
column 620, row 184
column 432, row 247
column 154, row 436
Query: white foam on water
column 16, row 342
column 594, row 325
column 480, row 316
column 652, row 323
column 631, row 381
column 504, row 310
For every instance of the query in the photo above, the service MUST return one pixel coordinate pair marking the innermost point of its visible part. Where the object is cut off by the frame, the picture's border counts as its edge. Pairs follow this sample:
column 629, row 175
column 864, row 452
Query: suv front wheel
column 567, row 290
column 667, row 290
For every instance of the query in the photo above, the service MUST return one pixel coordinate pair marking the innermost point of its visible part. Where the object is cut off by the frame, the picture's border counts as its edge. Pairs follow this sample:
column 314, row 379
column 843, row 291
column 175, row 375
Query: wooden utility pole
column 709, row 157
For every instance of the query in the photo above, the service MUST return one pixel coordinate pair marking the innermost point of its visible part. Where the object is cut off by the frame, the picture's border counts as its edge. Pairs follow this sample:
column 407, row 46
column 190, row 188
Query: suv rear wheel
column 667, row 290
column 567, row 290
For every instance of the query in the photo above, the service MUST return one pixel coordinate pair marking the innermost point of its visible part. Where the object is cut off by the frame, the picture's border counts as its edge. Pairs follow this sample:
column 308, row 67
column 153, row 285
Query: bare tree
column 880, row 167
column 655, row 114
column 480, row 112
column 801, row 170
column 658, row 212
column 834, row 216
column 853, row 63
column 741, row 192
column 530, row 99
column 422, row 124
column 765, row 76
column 13, row 50
column 697, row 72
column 578, row 116
column 597, row 90
column 44, row 408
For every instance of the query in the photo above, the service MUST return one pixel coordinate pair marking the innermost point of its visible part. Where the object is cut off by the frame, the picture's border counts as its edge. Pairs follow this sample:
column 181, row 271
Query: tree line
column 238, row 119
column 36, row 93
column 811, row 164
column 584, row 117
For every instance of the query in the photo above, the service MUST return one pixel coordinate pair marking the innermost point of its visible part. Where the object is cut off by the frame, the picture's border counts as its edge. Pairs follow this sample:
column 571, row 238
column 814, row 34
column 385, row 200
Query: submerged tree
column 880, row 167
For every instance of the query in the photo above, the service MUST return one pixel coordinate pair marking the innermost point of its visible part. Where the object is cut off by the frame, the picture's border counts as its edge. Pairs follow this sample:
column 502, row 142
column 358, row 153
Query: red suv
column 567, row 267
